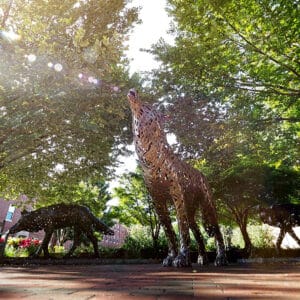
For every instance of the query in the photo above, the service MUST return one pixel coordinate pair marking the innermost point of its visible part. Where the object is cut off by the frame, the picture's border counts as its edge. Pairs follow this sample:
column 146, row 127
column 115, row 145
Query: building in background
column 118, row 239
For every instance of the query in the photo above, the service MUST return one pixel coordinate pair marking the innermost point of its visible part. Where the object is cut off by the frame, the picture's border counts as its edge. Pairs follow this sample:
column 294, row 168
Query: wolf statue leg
column 164, row 218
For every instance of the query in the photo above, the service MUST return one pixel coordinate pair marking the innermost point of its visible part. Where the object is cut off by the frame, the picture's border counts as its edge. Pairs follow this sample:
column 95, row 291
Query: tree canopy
column 62, row 70
column 240, row 63
column 231, row 86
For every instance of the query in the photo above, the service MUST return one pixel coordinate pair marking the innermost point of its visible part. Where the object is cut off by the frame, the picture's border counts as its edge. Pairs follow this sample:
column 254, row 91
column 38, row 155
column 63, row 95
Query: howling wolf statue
column 60, row 216
column 168, row 178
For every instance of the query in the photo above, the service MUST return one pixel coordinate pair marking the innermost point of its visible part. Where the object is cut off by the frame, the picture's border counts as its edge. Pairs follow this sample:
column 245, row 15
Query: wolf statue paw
column 221, row 260
column 202, row 260
column 181, row 261
column 167, row 262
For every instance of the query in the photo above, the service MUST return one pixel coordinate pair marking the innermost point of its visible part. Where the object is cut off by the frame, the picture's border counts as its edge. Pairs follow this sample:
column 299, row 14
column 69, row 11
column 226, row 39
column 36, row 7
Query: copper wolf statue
column 60, row 216
column 285, row 216
column 167, row 178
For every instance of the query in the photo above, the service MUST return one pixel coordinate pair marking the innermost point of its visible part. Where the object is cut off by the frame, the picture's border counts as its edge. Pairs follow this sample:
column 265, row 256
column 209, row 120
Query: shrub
column 21, row 247
column 139, row 243
column 260, row 235
column 13, row 242
column 59, row 249
column 83, row 251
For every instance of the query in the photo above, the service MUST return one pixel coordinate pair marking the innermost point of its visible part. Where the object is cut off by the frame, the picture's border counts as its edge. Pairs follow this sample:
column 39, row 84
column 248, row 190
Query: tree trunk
column 155, row 236
column 248, row 244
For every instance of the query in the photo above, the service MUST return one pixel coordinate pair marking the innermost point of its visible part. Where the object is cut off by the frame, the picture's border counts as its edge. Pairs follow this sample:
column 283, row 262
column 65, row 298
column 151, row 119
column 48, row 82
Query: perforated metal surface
column 58, row 216
column 169, row 179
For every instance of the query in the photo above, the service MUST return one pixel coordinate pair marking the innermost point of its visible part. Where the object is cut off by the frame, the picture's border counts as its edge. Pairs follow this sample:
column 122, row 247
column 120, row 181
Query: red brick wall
column 4, row 205
column 116, row 240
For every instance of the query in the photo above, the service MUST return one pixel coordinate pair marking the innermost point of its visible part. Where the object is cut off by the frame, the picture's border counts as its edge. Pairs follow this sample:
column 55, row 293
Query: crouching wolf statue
column 60, row 216
column 168, row 178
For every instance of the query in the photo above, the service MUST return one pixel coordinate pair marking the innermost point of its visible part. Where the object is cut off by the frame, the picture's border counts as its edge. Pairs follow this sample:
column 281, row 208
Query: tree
column 242, row 56
column 247, row 45
column 135, row 205
column 231, row 84
column 93, row 195
column 63, row 116
column 237, row 191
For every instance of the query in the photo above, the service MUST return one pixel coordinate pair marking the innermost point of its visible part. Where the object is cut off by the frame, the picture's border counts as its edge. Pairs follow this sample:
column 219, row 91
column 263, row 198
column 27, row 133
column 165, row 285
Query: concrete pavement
column 150, row 281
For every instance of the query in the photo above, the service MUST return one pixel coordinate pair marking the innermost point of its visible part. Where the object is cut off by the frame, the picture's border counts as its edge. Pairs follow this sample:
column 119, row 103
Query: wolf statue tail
column 98, row 224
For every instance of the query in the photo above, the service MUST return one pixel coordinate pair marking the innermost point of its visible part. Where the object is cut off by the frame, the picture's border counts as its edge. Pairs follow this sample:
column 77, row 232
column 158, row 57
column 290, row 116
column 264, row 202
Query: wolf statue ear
column 24, row 212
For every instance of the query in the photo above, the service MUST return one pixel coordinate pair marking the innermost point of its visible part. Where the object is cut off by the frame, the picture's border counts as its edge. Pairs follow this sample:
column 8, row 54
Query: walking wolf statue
column 167, row 178
column 60, row 216
column 285, row 216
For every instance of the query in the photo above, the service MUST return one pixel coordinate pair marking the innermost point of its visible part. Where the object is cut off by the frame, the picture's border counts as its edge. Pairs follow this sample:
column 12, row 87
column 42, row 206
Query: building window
column 10, row 213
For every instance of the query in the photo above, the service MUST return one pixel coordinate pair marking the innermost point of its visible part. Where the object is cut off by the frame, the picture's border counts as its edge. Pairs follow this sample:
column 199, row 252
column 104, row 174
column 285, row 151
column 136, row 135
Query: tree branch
column 6, row 14
column 258, row 50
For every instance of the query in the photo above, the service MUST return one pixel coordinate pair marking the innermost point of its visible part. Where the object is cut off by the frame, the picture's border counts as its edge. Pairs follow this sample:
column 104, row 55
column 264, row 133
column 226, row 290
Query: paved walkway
column 150, row 281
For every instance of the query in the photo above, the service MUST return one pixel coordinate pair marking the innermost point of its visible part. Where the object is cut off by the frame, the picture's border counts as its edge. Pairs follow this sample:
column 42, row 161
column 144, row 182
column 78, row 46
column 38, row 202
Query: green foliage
column 84, row 250
column 13, row 242
column 233, row 72
column 59, row 249
column 135, row 205
column 282, row 185
column 94, row 195
column 261, row 237
column 63, row 112
column 241, row 187
column 139, row 235
column 247, row 45
column 139, row 242
column 11, row 252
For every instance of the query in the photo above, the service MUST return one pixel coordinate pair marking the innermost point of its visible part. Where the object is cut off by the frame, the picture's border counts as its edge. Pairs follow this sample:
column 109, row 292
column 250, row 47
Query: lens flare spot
column 90, row 79
column 10, row 35
column 31, row 58
column 90, row 55
column 58, row 67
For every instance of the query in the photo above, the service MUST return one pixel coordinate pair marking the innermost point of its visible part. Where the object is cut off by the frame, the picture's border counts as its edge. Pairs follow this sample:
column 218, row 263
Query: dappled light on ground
column 151, row 282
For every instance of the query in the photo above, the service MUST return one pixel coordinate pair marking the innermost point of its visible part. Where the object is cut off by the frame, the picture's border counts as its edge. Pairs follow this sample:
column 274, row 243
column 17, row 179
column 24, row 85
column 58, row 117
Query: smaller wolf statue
column 285, row 216
column 60, row 216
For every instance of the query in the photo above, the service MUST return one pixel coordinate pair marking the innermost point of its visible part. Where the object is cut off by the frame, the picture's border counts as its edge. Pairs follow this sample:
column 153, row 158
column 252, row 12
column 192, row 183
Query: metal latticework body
column 168, row 178
column 58, row 216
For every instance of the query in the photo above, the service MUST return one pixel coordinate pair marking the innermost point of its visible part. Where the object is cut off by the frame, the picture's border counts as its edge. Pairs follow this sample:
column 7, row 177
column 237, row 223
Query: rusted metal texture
column 171, row 180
